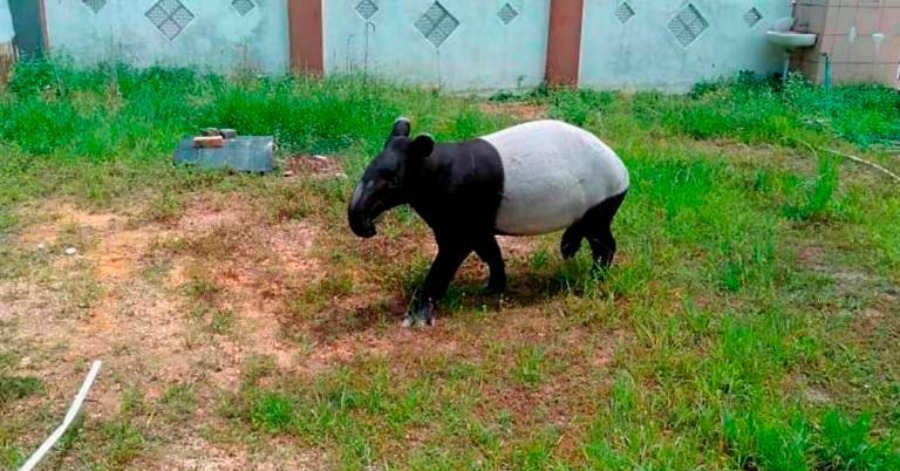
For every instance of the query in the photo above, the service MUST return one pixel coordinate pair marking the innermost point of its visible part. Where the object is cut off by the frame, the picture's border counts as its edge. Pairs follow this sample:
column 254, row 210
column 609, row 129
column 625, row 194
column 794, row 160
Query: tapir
column 532, row 178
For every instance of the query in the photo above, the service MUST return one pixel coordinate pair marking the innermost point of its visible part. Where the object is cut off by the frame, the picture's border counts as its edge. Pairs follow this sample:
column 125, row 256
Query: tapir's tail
column 571, row 240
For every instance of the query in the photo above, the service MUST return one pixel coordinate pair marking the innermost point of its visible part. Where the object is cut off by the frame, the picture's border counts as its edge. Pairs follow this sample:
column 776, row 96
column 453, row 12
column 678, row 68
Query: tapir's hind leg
column 597, row 229
column 571, row 240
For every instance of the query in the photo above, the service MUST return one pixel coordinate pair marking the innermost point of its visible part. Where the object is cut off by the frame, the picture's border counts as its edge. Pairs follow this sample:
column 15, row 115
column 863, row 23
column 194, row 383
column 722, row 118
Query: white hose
column 70, row 417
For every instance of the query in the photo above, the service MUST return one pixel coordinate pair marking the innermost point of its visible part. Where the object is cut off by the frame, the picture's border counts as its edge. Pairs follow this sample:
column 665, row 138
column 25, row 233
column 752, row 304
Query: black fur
column 457, row 189
column 595, row 226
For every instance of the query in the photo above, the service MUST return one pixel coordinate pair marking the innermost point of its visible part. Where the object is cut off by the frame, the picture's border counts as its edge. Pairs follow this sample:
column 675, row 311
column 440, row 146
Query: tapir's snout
column 361, row 226
column 360, row 222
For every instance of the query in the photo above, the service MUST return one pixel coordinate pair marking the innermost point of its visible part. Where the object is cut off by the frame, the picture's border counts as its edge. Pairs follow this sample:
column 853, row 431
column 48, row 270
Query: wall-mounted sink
column 781, row 35
column 791, row 39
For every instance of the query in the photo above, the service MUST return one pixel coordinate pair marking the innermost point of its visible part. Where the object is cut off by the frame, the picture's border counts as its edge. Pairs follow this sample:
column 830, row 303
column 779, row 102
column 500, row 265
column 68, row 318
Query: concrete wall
column 644, row 53
column 7, row 51
column 6, row 26
column 215, row 35
column 481, row 54
column 486, row 45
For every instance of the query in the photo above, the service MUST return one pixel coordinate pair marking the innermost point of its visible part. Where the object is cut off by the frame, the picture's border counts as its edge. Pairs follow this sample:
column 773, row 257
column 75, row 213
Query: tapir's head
column 386, row 182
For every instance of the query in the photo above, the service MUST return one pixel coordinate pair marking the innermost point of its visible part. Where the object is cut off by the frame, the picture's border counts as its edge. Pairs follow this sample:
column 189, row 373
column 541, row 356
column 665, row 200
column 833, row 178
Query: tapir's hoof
column 570, row 243
column 569, row 250
column 416, row 321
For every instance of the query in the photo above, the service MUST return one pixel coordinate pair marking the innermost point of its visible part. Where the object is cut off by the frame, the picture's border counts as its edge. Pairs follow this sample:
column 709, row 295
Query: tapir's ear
column 401, row 128
column 421, row 147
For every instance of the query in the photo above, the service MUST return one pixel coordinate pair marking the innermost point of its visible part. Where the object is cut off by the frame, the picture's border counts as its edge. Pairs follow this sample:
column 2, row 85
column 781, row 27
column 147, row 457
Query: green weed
column 165, row 207
column 179, row 400
column 820, row 193
column 845, row 445
column 202, row 290
column 13, row 388
column 332, row 286
column 223, row 322
column 121, row 442
column 530, row 365
column 580, row 107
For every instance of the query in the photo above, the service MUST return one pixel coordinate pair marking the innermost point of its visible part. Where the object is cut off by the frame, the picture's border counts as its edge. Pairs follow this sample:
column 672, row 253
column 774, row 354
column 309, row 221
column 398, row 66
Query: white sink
column 791, row 39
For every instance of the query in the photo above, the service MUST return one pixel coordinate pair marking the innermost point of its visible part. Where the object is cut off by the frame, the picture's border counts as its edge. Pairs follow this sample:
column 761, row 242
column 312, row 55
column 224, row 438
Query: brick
column 209, row 141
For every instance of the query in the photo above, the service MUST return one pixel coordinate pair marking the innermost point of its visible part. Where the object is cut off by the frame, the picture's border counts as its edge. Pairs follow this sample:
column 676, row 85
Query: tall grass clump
column 845, row 445
column 63, row 105
column 819, row 195
column 121, row 124
column 580, row 107
column 756, row 110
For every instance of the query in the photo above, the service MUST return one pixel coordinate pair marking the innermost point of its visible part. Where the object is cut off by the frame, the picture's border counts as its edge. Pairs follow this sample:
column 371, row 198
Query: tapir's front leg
column 450, row 256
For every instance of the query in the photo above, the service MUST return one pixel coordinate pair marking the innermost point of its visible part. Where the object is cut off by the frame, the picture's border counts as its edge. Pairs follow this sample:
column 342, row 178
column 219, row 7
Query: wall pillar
column 305, row 31
column 29, row 22
column 45, row 32
column 564, row 42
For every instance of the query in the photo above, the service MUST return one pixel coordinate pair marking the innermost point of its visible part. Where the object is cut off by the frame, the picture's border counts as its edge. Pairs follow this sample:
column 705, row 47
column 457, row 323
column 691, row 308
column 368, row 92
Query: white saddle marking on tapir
column 553, row 174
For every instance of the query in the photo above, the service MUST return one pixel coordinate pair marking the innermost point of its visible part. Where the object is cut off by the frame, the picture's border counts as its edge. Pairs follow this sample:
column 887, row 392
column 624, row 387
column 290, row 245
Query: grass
column 750, row 321
column 13, row 388
column 179, row 400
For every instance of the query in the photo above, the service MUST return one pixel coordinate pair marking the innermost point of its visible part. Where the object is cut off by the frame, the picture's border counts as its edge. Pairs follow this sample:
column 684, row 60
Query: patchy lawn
column 751, row 320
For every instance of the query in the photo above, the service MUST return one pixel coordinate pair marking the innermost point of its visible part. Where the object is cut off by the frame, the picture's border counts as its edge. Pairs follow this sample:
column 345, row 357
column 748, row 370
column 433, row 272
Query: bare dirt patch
column 203, row 213
column 317, row 167
column 52, row 216
column 150, row 335
column 254, row 266
column 118, row 249
column 521, row 248
column 119, row 253
column 522, row 111
column 815, row 258
column 293, row 243
column 883, row 295
column 196, row 454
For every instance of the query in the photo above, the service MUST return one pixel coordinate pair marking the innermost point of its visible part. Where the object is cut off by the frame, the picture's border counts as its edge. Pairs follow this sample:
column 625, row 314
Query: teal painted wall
column 643, row 53
column 215, row 35
column 481, row 54
column 483, row 45
column 6, row 26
